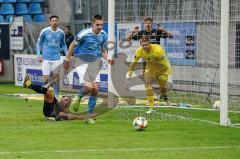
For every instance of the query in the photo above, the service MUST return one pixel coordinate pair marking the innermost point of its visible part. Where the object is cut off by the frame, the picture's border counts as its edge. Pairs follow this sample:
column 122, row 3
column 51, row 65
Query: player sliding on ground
column 157, row 68
column 52, row 108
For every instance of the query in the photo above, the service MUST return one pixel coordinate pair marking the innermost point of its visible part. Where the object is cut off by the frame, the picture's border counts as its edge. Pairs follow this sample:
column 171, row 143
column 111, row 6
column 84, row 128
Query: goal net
column 194, row 50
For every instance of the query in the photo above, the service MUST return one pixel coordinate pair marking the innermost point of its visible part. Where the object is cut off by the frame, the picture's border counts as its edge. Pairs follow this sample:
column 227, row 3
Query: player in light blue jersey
column 88, row 45
column 50, row 42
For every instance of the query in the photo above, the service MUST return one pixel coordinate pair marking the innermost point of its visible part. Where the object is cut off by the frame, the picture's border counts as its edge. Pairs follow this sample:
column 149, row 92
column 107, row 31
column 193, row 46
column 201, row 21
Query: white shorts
column 89, row 71
column 49, row 66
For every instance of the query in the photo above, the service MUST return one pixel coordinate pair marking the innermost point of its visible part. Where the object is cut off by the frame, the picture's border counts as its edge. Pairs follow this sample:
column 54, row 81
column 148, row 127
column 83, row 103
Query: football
column 140, row 123
column 216, row 104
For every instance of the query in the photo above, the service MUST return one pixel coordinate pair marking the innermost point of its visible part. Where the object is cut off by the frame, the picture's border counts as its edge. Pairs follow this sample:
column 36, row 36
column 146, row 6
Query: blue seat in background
column 7, row 8
column 1, row 1
column 9, row 1
column 35, row 8
column 9, row 18
column 24, row 1
column 27, row 18
column 40, row 18
column 21, row 8
column 38, row 1
column 1, row 19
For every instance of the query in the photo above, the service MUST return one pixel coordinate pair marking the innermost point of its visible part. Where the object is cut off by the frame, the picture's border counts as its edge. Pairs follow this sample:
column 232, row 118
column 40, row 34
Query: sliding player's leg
column 37, row 88
column 48, row 95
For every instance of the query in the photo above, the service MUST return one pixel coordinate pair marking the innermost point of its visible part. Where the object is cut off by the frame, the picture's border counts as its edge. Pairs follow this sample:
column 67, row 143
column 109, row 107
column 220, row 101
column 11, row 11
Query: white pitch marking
column 120, row 149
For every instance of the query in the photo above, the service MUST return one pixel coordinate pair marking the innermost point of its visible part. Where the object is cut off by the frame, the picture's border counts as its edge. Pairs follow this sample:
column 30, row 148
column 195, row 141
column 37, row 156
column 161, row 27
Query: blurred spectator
column 68, row 35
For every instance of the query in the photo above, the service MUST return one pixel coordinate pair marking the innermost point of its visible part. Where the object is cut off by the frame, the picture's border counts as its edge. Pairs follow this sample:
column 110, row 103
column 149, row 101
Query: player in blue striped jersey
column 88, row 45
column 50, row 42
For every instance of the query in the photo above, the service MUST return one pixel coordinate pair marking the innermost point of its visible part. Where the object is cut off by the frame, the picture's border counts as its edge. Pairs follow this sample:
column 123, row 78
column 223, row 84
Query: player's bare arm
column 135, row 30
column 71, row 116
column 105, row 56
column 161, row 29
column 69, row 55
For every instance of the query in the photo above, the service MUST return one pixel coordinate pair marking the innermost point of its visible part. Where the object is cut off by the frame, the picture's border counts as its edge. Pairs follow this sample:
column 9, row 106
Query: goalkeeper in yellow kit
column 157, row 68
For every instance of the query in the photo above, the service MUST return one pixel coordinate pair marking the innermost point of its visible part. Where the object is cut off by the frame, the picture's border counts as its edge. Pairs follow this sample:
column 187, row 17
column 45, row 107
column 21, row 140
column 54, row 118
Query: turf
column 10, row 88
column 25, row 134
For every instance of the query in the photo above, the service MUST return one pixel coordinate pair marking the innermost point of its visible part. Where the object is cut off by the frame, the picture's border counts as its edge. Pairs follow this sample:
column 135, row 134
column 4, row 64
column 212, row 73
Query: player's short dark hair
column 97, row 17
column 67, row 26
column 148, row 19
column 53, row 16
column 144, row 39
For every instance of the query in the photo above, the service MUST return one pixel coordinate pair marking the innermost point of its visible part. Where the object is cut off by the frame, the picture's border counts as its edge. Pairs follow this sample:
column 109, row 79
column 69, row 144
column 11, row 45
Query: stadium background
column 199, row 20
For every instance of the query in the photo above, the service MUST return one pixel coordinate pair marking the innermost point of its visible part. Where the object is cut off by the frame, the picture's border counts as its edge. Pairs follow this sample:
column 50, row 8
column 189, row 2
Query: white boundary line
column 119, row 149
column 206, row 109
column 191, row 119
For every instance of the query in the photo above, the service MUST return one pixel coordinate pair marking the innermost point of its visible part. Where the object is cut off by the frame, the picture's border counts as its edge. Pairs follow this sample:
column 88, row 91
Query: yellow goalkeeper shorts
column 158, row 72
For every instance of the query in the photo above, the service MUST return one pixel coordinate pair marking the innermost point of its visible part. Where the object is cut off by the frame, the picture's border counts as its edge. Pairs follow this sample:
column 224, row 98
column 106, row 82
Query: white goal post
column 224, row 62
column 111, row 37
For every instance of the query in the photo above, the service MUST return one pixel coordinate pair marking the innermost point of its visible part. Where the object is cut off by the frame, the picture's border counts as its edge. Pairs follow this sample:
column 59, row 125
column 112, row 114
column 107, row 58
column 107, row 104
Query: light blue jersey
column 89, row 45
column 51, row 42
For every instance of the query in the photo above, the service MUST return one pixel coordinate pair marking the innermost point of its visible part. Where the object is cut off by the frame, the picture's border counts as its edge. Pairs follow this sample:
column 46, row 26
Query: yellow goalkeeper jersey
column 156, row 59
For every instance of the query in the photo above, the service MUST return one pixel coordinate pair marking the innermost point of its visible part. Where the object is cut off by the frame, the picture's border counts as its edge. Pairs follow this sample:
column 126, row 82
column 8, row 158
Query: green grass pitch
column 25, row 134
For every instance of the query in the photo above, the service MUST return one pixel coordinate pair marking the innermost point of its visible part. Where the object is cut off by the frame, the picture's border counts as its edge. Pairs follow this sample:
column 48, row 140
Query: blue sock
column 92, row 103
column 56, row 89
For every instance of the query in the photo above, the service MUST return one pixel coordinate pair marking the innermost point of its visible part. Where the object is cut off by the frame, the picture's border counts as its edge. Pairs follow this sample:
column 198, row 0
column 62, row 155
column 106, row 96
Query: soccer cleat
column 163, row 98
column 151, row 111
column 27, row 81
column 76, row 103
column 90, row 121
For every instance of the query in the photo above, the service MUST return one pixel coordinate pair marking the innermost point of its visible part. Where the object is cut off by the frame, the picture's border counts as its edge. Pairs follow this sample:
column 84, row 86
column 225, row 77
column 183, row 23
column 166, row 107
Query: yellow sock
column 149, row 92
column 151, row 101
